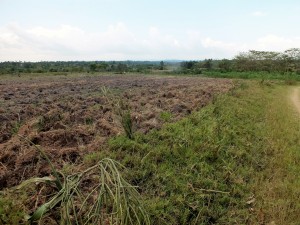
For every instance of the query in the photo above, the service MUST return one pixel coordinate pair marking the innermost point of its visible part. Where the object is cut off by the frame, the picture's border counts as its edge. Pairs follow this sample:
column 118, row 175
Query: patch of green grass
column 200, row 169
column 166, row 116
column 12, row 209
column 279, row 199
column 289, row 77
column 208, row 167
column 89, row 121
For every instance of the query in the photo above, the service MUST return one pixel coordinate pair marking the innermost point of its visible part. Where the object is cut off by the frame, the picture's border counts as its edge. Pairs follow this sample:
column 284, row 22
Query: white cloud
column 259, row 14
column 118, row 42
column 210, row 43
column 277, row 43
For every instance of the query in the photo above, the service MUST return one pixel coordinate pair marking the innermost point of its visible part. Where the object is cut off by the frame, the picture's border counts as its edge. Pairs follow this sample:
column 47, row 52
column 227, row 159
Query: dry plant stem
column 207, row 190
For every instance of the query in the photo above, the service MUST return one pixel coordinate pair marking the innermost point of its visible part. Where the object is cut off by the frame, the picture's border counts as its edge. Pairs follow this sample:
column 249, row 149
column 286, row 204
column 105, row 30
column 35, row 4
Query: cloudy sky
column 39, row 30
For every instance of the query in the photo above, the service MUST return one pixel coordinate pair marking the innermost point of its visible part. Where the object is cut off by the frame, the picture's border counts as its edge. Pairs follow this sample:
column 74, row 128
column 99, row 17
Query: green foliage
column 17, row 68
column 161, row 65
column 252, row 75
column 201, row 169
column 282, row 63
column 125, row 118
column 11, row 210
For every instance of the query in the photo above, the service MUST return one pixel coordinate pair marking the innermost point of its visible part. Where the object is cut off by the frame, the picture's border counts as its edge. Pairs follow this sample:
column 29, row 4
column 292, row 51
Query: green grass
column 254, row 75
column 11, row 210
column 213, row 166
column 279, row 200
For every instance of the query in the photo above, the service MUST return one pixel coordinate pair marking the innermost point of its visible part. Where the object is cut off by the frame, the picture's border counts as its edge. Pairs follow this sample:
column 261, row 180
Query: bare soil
column 70, row 117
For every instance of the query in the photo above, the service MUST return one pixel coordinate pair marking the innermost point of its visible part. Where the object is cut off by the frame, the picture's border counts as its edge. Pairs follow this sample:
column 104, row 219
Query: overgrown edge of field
column 229, row 143
column 212, row 167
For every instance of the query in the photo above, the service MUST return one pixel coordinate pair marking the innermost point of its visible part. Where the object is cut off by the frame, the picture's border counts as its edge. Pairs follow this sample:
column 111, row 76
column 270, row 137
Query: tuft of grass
column 166, row 116
column 16, row 127
column 122, row 110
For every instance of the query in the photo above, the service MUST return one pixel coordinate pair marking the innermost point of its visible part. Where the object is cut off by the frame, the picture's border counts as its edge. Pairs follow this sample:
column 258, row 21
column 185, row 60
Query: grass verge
column 278, row 189
column 217, row 166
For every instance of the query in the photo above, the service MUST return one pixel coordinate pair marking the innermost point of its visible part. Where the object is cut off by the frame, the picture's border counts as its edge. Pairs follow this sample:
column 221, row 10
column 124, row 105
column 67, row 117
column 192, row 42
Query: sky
column 67, row 30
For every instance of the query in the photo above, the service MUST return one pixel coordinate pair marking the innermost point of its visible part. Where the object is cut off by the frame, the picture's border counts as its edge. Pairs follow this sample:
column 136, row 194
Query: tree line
column 251, row 61
column 80, row 66
column 287, row 62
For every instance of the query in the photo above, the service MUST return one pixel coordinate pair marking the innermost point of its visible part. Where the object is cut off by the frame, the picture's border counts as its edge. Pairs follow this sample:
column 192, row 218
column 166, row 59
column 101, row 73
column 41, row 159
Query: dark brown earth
column 69, row 116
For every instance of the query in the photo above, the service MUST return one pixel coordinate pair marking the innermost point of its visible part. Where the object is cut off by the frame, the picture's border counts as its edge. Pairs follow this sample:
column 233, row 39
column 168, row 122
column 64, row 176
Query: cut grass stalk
column 111, row 199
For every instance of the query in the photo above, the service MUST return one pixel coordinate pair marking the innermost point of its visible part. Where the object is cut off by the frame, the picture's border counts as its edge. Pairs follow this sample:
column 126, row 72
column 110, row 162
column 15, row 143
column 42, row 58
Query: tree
column 161, row 65
column 121, row 68
column 225, row 65
column 93, row 67
column 207, row 64
column 188, row 65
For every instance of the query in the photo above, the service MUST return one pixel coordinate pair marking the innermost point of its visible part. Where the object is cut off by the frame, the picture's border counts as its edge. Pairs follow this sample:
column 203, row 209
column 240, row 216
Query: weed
column 122, row 110
column 89, row 121
column 46, row 122
column 16, row 127
column 166, row 116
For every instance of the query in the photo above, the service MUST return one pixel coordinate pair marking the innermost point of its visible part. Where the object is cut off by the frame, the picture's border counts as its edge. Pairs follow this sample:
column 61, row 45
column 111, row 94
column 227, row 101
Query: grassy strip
column 234, row 162
column 209, row 167
column 279, row 197
column 290, row 77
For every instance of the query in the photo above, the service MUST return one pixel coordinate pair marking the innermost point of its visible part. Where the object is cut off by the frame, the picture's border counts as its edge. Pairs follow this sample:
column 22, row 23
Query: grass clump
column 122, row 110
column 166, row 116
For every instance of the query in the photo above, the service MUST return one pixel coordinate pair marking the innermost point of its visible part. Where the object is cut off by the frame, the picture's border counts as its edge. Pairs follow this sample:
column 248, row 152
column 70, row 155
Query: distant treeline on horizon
column 251, row 61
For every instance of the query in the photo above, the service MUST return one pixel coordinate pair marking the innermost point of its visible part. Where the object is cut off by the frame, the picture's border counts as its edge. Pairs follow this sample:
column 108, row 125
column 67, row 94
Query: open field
column 70, row 116
column 204, row 151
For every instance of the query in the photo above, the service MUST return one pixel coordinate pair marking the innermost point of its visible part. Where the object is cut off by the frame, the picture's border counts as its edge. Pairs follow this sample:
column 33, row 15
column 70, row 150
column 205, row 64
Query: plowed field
column 70, row 116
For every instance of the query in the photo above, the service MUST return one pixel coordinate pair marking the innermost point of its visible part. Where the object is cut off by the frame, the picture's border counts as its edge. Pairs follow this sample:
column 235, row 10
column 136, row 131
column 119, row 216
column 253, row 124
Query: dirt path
column 295, row 97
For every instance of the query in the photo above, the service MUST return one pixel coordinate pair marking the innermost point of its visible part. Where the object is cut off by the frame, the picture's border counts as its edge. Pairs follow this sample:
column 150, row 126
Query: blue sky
column 35, row 30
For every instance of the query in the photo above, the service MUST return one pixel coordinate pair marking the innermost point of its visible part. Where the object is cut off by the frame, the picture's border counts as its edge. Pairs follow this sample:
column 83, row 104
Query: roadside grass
column 279, row 200
column 215, row 166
